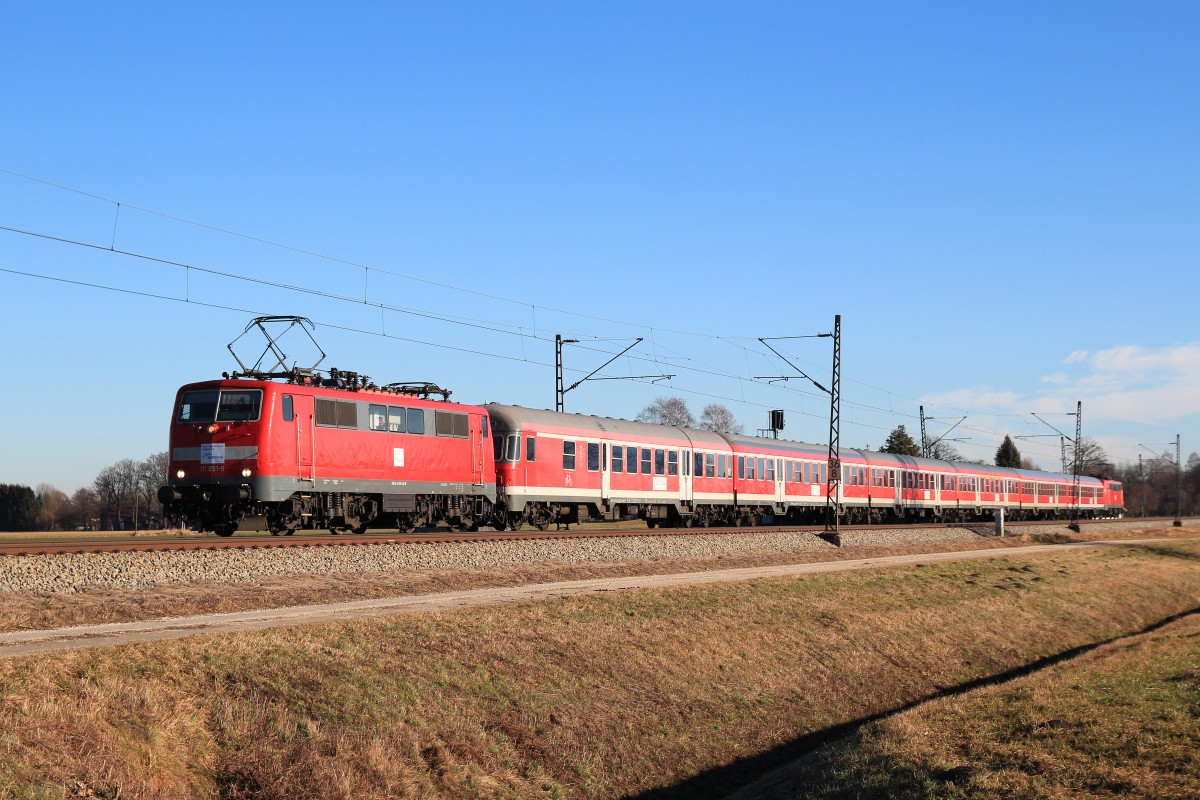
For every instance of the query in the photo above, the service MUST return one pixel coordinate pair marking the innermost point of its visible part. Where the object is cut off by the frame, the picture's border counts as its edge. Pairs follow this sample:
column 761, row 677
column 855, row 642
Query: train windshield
column 243, row 405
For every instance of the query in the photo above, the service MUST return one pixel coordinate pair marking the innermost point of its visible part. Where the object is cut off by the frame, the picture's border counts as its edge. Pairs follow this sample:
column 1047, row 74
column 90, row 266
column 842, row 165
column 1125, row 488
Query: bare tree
column 944, row 451
column 1092, row 459
column 719, row 419
column 152, row 473
column 84, row 505
column 56, row 507
column 672, row 411
column 1030, row 464
column 116, row 487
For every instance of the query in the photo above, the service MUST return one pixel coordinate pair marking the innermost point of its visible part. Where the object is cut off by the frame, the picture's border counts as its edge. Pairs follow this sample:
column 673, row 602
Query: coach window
column 618, row 458
column 741, row 468
column 660, row 462
column 593, row 456
column 416, row 421
column 378, row 417
column 710, row 465
column 288, row 413
column 673, row 462
column 699, row 460
column 646, row 456
column 531, row 448
column 395, row 421
column 762, row 468
column 722, row 466
column 631, row 460
column 770, row 469
column 568, row 455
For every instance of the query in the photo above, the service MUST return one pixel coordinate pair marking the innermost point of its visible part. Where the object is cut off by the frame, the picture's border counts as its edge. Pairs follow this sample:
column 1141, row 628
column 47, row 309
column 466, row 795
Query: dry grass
column 1121, row 721
column 37, row 610
column 599, row 696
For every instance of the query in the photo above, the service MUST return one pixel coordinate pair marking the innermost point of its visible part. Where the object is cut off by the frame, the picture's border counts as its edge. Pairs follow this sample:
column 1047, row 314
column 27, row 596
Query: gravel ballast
column 145, row 570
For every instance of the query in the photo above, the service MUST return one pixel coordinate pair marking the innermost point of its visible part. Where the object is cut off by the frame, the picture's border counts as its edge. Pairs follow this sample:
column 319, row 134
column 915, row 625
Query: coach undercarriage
column 541, row 515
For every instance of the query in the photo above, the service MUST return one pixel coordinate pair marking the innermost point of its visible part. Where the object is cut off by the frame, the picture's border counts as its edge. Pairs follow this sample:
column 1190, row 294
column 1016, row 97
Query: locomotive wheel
column 225, row 529
column 515, row 522
column 361, row 529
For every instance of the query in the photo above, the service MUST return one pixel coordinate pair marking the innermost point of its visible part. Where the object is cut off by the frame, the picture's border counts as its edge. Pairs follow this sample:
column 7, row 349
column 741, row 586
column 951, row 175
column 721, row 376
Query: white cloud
column 1127, row 383
column 1076, row 357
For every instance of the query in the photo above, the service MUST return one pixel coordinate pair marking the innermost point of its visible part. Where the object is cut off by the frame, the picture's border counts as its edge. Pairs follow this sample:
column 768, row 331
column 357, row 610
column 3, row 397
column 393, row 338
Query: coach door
column 605, row 475
column 302, row 419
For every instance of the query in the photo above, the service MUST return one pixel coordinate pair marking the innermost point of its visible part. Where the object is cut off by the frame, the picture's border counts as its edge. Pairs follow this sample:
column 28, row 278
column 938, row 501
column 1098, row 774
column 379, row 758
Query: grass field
column 1120, row 721
column 672, row 693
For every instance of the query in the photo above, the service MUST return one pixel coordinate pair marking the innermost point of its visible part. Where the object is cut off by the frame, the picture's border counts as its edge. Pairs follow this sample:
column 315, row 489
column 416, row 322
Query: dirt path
column 76, row 638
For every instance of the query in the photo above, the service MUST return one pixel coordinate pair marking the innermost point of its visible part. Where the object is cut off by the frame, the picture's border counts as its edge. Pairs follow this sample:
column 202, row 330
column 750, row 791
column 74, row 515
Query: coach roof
column 513, row 417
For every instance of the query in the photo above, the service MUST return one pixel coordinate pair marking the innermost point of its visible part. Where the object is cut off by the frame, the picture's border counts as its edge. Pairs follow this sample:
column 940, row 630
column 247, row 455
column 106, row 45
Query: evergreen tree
column 1007, row 455
column 900, row 443
column 19, row 508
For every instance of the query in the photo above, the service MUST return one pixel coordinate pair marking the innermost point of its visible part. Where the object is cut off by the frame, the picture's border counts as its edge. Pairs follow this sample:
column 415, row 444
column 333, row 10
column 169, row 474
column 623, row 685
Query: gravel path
column 79, row 572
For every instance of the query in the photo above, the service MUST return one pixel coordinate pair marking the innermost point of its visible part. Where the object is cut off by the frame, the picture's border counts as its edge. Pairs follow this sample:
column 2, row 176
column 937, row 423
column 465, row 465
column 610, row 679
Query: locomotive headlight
column 180, row 474
column 246, row 472
column 213, row 428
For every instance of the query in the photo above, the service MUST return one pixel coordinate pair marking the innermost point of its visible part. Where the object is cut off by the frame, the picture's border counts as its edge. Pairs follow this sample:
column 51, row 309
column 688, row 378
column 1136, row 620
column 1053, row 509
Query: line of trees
column 123, row 496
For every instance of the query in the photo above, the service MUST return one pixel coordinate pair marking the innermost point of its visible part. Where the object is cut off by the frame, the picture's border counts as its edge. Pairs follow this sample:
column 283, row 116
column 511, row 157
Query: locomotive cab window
column 416, row 421
column 395, row 419
column 377, row 415
column 243, row 405
column 288, row 413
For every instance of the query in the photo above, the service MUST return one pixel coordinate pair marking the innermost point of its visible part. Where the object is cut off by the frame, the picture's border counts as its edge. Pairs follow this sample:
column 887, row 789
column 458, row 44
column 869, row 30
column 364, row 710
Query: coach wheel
column 225, row 529
column 515, row 521
column 361, row 529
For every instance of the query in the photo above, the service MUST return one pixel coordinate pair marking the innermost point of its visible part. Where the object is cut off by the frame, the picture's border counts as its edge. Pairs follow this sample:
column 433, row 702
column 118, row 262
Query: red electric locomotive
column 335, row 453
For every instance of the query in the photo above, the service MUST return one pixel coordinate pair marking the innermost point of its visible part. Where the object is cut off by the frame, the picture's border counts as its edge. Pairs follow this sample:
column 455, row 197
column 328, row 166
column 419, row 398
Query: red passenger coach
column 330, row 453
column 555, row 468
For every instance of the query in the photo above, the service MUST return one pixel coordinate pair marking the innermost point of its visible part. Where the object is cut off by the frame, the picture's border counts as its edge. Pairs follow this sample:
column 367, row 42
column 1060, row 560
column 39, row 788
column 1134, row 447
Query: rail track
column 159, row 542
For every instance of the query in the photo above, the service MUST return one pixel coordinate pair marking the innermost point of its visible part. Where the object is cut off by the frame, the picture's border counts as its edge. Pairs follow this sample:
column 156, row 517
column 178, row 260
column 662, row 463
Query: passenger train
column 339, row 453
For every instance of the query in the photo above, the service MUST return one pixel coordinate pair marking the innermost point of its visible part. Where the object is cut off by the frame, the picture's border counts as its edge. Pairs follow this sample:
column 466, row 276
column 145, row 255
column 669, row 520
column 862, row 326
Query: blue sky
column 1001, row 200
